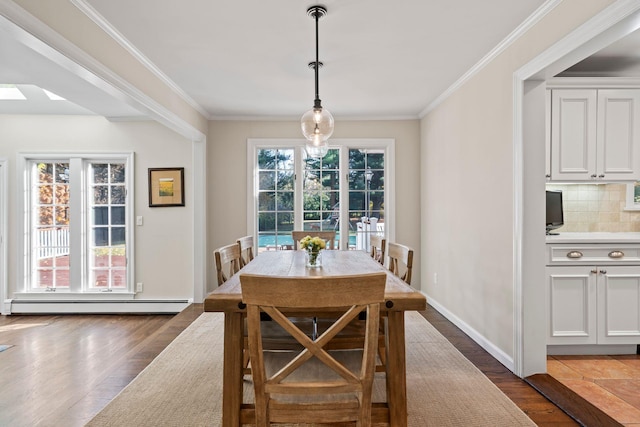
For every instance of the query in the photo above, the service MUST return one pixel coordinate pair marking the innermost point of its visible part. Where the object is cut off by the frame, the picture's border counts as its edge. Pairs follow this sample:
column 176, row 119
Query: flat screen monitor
column 555, row 213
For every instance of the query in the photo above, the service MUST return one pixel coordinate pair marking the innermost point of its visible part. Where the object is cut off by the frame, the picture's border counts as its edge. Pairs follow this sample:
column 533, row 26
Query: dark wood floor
column 64, row 369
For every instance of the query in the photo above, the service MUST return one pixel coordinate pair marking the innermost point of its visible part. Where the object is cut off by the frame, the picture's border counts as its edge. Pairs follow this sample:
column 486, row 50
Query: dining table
column 399, row 297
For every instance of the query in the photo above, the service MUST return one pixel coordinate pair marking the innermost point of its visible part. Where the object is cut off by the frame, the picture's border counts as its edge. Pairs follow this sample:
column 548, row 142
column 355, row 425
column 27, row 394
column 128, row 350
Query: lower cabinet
column 593, row 304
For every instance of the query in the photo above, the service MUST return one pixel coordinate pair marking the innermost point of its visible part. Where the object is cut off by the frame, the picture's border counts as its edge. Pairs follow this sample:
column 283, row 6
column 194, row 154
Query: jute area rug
column 183, row 385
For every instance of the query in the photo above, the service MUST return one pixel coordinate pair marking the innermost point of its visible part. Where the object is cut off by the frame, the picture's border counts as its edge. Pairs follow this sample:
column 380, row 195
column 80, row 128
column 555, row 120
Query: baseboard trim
column 96, row 307
column 480, row 339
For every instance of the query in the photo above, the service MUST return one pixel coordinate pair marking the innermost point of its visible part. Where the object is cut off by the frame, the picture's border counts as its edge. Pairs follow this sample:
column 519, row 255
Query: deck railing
column 52, row 242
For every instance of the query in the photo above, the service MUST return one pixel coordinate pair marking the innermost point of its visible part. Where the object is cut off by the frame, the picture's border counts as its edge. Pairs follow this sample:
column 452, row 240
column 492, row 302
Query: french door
column 348, row 190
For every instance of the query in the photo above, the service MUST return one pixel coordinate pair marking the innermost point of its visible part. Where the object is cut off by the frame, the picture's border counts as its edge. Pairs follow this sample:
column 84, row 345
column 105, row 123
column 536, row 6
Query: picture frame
column 166, row 187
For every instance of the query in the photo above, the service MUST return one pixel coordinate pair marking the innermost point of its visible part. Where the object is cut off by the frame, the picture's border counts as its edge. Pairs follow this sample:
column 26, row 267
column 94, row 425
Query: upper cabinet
column 594, row 135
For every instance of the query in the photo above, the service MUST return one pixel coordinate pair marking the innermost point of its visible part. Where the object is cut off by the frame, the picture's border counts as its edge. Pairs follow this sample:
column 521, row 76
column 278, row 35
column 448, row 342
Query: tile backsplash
column 591, row 208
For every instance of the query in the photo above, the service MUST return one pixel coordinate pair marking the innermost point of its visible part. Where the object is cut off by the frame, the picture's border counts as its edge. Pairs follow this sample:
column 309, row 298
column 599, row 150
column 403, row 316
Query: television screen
column 555, row 213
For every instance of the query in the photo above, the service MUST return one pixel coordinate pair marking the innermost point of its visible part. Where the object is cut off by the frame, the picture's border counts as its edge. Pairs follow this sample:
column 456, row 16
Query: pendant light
column 317, row 123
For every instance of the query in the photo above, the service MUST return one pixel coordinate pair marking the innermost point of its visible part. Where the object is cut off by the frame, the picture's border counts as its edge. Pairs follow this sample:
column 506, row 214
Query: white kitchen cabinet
column 595, row 135
column 597, row 303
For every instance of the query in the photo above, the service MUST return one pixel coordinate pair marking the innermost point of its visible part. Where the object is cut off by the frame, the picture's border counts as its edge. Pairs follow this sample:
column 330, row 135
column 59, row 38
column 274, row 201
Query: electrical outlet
column 139, row 220
column 139, row 287
column 435, row 278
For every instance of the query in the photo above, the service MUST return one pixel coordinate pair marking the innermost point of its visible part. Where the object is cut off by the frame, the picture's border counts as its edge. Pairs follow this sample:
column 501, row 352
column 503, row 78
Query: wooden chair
column 327, row 236
column 378, row 244
column 292, row 394
column 400, row 261
column 246, row 250
column 227, row 255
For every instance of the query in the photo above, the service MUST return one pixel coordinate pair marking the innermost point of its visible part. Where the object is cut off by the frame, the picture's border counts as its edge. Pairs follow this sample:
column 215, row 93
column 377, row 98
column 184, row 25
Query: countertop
column 594, row 238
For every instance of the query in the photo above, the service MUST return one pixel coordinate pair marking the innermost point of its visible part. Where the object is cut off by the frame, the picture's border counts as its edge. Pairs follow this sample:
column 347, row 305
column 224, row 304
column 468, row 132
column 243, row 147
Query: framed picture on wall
column 166, row 187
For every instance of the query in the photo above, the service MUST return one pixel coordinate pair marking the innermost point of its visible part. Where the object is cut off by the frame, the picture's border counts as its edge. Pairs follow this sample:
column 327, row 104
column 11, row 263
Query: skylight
column 52, row 96
column 9, row 92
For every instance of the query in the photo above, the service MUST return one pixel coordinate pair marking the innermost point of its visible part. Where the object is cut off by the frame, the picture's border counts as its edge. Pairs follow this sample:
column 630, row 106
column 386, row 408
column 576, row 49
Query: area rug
column 183, row 385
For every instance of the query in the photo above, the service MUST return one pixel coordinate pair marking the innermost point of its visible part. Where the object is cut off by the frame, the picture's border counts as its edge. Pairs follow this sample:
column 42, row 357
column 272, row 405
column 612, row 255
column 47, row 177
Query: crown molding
column 106, row 26
column 532, row 20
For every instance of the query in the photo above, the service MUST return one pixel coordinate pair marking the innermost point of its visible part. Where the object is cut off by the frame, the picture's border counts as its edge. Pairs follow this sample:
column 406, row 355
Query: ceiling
column 249, row 59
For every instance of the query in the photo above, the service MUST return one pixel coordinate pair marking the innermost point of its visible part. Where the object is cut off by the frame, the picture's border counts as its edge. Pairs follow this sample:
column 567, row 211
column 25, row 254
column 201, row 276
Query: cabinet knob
column 603, row 271
column 548, row 175
column 574, row 254
column 616, row 254
column 594, row 271
column 594, row 176
column 601, row 175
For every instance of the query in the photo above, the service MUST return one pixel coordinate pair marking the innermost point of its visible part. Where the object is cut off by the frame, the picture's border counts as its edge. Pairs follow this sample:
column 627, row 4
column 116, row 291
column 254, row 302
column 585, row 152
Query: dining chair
column 327, row 236
column 378, row 244
column 400, row 261
column 228, row 255
column 245, row 245
column 287, row 386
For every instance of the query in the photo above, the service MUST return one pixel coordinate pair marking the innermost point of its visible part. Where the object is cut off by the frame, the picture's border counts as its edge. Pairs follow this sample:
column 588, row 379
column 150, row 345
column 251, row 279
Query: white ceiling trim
column 501, row 47
column 106, row 26
column 41, row 38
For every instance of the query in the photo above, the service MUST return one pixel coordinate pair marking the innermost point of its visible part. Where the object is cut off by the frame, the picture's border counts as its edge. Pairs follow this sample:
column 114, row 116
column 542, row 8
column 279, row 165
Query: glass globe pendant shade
column 317, row 148
column 317, row 122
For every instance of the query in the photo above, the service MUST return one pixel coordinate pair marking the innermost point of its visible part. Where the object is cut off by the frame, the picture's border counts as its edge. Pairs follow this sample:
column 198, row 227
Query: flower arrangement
column 313, row 246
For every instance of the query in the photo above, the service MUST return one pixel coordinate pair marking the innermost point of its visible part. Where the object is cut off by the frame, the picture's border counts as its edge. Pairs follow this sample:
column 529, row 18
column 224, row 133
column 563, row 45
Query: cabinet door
column 573, row 134
column 618, row 305
column 618, row 155
column 571, row 299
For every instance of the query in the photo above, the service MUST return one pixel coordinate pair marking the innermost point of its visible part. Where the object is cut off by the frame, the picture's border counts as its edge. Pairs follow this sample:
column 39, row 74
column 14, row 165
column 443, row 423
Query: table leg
column 396, row 369
column 232, row 374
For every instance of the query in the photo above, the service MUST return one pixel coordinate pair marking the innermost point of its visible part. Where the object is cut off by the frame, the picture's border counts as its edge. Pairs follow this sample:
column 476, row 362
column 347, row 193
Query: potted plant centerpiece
column 313, row 246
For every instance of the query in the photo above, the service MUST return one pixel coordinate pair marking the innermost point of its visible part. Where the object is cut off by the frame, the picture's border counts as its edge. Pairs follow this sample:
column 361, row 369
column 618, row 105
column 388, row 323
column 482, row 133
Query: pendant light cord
column 317, row 103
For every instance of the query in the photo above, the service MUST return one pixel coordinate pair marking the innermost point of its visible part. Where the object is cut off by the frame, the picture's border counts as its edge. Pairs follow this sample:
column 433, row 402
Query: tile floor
column 612, row 383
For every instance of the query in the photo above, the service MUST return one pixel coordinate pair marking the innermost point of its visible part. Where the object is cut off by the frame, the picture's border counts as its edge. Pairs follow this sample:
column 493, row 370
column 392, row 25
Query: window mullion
column 299, row 188
column 344, row 197
column 77, row 224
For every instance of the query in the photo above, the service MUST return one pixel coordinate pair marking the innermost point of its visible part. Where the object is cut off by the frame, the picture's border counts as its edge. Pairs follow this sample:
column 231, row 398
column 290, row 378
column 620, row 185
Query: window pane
column 117, row 236
column 267, row 201
column 45, row 215
column 101, row 216
column 285, row 180
column 266, row 158
column 267, row 180
column 267, row 221
column 100, row 173
column 118, row 215
column 62, row 215
column 118, row 195
column 117, row 173
column 118, row 279
column 101, row 195
column 101, row 236
column 285, row 201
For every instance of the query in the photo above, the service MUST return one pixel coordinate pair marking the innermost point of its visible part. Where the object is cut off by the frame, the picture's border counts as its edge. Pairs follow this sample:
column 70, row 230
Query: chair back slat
column 400, row 261
column 378, row 244
column 245, row 245
column 228, row 255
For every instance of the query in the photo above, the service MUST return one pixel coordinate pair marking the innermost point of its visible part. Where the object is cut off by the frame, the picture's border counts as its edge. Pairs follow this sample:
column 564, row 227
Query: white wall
column 467, row 179
column 164, row 244
column 227, row 176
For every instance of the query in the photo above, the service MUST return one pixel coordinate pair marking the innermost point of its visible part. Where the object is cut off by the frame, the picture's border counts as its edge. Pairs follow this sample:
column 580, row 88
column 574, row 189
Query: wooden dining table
column 399, row 297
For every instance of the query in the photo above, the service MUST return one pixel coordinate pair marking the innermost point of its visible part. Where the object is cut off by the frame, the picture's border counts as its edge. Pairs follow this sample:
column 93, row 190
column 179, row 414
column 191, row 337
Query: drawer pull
column 616, row 254
column 574, row 254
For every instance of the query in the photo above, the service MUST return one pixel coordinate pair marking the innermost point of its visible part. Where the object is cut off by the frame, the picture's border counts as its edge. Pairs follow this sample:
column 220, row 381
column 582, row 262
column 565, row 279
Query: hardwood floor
column 63, row 369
